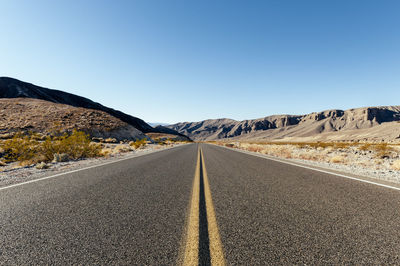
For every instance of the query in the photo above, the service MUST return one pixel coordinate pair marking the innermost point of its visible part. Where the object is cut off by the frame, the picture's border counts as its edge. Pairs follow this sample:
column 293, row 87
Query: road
column 199, row 204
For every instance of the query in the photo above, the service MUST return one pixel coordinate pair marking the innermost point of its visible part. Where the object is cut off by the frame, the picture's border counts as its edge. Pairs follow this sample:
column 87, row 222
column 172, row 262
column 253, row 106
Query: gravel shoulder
column 17, row 174
column 352, row 162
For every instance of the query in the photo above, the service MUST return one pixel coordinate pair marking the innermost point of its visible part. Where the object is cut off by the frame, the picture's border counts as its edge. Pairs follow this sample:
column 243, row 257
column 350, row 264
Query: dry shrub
column 337, row 159
column 77, row 145
column 343, row 145
column 20, row 148
column 396, row 165
column 275, row 150
column 28, row 150
column 121, row 149
column 265, row 150
column 285, row 153
column 138, row 143
column 365, row 147
column 309, row 156
column 383, row 150
column 254, row 148
column 106, row 151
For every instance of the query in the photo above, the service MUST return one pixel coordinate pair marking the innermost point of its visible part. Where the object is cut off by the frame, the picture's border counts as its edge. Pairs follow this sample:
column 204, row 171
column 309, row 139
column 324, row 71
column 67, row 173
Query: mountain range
column 358, row 124
column 25, row 106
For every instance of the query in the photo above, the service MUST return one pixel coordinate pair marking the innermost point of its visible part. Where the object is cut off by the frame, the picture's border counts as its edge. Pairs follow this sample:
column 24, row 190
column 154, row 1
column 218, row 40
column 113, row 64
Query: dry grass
column 337, row 145
column 27, row 149
column 121, row 148
column 138, row 143
column 375, row 155
column 106, row 151
column 337, row 159
column 365, row 147
column 396, row 165
column 383, row 150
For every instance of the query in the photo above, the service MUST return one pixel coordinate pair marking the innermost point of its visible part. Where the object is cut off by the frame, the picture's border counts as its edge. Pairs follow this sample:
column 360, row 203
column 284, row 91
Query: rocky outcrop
column 283, row 126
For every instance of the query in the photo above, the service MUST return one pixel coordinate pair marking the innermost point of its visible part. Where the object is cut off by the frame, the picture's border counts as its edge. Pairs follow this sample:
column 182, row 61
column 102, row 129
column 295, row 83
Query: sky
column 171, row 61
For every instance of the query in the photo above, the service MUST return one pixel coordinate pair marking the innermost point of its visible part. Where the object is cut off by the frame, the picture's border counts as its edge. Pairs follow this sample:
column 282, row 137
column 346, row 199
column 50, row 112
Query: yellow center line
column 190, row 250
column 216, row 250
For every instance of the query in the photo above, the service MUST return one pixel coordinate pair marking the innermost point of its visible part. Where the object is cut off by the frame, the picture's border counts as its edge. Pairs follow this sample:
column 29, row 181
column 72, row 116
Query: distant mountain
column 369, row 123
column 13, row 88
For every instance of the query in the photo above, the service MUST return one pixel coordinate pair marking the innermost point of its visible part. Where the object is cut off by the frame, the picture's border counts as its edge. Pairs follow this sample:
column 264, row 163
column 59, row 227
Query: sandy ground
column 354, row 159
column 14, row 173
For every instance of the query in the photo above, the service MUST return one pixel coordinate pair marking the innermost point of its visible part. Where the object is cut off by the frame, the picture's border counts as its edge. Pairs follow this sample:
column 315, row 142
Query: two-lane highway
column 197, row 204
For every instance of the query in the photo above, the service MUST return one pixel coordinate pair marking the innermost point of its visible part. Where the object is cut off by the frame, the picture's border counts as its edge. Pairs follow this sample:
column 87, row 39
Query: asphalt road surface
column 184, row 206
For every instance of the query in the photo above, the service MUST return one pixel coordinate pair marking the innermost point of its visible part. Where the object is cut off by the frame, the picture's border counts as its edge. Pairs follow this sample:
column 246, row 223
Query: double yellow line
column 191, row 247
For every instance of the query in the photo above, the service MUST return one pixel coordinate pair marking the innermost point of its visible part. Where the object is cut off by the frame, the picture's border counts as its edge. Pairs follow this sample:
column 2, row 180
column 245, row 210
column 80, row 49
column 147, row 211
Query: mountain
column 368, row 123
column 13, row 88
column 27, row 114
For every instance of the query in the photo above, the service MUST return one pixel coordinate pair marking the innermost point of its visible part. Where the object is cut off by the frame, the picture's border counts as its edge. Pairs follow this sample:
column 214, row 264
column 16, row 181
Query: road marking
column 311, row 168
column 85, row 168
column 192, row 253
column 216, row 250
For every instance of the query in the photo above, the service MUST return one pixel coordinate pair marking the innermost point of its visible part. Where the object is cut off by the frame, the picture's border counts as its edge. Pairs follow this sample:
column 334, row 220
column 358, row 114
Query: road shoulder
column 310, row 165
column 28, row 174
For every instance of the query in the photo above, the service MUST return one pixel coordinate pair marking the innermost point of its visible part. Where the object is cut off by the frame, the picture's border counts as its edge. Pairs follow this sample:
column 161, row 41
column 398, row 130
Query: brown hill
column 366, row 124
column 24, row 114
column 13, row 88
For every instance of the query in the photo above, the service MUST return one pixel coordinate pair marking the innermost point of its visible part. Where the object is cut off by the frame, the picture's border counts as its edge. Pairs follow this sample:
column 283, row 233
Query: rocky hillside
column 24, row 114
column 12, row 88
column 370, row 123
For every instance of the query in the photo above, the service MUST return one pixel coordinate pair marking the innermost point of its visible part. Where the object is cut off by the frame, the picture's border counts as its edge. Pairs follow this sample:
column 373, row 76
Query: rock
column 42, row 165
column 111, row 140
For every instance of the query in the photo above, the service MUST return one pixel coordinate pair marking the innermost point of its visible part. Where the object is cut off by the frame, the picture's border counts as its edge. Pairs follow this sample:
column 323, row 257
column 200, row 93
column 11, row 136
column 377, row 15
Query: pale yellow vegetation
column 121, row 148
column 375, row 155
column 27, row 149
column 140, row 143
column 337, row 159
column 396, row 165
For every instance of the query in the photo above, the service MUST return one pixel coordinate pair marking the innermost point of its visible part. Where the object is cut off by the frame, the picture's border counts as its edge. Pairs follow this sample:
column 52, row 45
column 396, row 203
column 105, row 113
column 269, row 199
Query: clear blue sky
column 170, row 61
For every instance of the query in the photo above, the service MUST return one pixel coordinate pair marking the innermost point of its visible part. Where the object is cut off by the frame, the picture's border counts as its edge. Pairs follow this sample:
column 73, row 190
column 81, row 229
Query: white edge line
column 311, row 168
column 85, row 168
